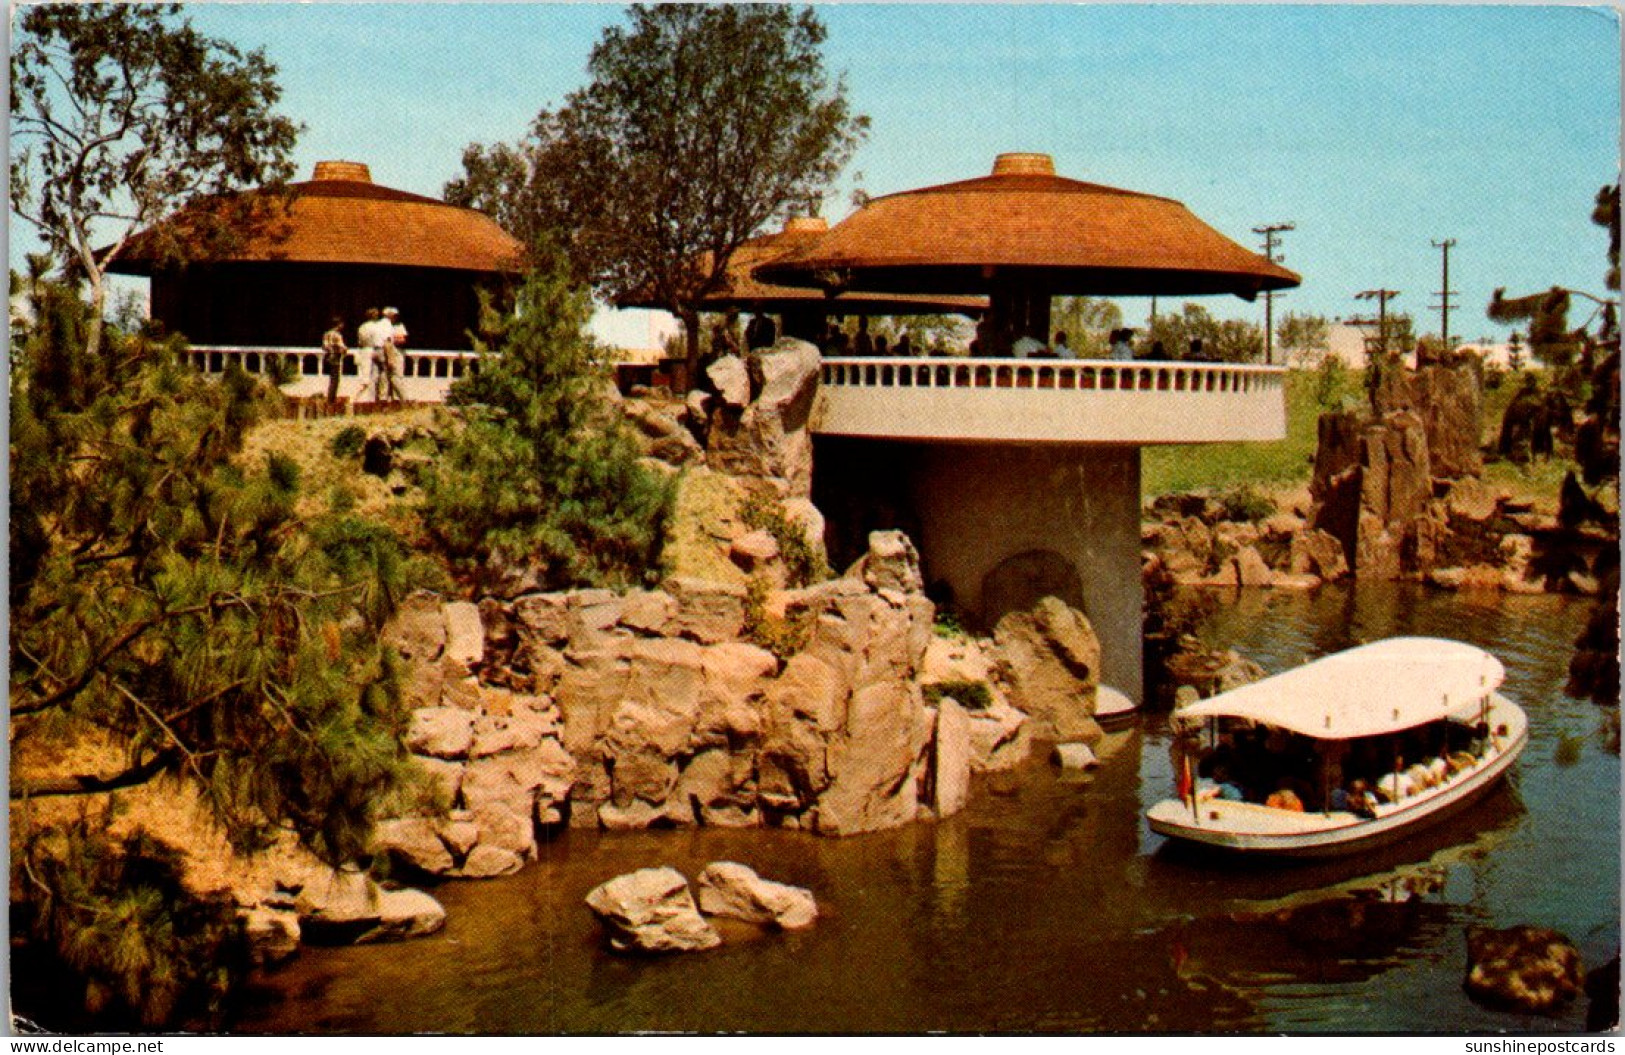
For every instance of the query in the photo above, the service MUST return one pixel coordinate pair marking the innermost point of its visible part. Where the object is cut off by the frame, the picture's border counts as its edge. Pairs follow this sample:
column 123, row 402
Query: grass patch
column 971, row 695
column 1282, row 463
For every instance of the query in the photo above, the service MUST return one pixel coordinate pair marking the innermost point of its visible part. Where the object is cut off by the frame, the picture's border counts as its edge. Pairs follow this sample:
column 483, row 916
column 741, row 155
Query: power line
column 1382, row 297
column 1445, row 294
column 1269, row 231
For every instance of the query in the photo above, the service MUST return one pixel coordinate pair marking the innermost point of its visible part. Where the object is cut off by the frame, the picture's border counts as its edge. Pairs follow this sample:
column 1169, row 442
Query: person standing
column 1062, row 349
column 366, row 339
column 333, row 355
column 394, row 360
column 862, row 345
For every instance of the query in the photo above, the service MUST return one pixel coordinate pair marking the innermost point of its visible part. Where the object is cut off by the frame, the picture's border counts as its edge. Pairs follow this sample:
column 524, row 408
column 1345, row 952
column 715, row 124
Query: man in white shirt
column 393, row 339
column 366, row 339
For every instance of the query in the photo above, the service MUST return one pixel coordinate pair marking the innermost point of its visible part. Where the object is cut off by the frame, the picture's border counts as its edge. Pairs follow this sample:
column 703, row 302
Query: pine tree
column 542, row 475
column 167, row 600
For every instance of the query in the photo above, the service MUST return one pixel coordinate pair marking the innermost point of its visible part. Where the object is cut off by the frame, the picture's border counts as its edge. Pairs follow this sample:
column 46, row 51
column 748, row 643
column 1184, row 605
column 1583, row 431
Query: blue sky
column 1374, row 129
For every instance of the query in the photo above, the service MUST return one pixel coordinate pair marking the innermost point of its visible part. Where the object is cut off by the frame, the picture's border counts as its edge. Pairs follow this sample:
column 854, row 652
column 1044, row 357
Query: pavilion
column 335, row 245
column 1020, row 478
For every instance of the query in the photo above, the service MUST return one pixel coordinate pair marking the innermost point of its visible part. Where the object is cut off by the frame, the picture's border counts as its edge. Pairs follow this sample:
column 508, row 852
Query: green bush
column 349, row 440
column 971, row 695
column 1246, row 503
column 783, row 637
column 803, row 563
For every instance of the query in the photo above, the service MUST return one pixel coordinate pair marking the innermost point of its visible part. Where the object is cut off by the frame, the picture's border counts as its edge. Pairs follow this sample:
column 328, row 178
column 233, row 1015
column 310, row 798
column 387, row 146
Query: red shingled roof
column 1023, row 221
column 341, row 217
column 742, row 289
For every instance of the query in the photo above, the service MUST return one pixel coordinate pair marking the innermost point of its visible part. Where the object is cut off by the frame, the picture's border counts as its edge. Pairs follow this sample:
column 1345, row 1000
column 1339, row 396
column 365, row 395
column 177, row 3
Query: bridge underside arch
column 997, row 524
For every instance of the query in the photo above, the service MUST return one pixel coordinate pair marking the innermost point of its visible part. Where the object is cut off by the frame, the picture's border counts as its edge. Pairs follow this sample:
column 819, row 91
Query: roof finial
column 1023, row 164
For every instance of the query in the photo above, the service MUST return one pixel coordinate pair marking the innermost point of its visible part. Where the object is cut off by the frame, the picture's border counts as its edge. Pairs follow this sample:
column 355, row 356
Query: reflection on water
column 1048, row 905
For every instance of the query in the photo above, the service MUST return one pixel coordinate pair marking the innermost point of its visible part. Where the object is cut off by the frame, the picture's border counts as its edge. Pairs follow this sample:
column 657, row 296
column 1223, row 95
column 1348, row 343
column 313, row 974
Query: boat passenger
column 1395, row 786
column 1361, row 802
column 1460, row 761
column 1284, row 798
column 1223, row 788
column 1438, row 770
column 1421, row 778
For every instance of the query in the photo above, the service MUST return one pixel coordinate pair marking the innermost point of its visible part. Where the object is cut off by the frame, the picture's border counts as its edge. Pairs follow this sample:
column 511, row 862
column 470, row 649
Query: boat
column 1419, row 719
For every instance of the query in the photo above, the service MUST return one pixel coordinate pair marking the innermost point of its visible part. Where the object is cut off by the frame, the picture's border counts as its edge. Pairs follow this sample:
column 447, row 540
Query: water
column 1048, row 905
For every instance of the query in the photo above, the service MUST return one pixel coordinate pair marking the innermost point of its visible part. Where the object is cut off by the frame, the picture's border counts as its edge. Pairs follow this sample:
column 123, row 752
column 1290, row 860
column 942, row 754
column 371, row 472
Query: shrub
column 803, row 563
column 1246, row 503
column 783, row 637
column 971, row 695
column 349, row 440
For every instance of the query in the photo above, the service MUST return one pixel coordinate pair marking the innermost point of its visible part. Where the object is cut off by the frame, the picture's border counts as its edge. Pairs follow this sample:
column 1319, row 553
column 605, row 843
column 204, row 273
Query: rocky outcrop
column 766, row 438
column 651, row 911
column 345, row 905
column 1372, row 480
column 734, row 890
column 1049, row 659
column 648, row 709
column 1529, row 969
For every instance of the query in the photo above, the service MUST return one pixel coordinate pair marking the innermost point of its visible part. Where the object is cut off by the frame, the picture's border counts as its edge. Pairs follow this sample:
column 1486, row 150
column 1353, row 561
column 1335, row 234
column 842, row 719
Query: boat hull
column 1248, row 828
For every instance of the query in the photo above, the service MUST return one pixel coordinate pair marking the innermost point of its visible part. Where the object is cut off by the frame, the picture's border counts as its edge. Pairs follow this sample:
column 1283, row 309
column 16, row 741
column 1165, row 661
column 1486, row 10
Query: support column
column 999, row 522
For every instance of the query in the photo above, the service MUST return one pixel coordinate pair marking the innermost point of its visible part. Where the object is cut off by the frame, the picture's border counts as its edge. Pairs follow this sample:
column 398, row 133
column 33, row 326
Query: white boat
column 1369, row 703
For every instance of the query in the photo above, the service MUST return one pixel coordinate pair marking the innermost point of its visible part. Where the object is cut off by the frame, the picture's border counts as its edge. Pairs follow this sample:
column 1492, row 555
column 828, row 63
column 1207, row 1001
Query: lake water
column 1048, row 905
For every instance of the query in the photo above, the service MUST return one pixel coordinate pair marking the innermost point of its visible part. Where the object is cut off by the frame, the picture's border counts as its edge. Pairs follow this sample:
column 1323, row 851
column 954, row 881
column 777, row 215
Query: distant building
column 338, row 245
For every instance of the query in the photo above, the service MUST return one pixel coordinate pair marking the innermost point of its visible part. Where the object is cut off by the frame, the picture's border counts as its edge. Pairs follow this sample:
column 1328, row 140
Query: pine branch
column 90, row 783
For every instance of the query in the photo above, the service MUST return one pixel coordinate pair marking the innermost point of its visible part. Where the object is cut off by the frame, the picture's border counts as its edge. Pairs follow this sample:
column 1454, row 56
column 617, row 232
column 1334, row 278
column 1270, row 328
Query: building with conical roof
column 334, row 245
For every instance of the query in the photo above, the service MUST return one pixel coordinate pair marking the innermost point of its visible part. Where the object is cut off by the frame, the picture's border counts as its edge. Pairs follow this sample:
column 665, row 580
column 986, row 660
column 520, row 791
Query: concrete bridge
column 1021, row 478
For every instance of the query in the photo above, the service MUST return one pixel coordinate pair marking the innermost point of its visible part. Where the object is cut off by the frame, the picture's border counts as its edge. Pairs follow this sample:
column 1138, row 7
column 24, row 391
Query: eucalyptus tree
column 700, row 124
column 121, row 113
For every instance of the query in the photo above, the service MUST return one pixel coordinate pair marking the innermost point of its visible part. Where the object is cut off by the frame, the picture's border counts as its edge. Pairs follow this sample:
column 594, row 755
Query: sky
column 1375, row 130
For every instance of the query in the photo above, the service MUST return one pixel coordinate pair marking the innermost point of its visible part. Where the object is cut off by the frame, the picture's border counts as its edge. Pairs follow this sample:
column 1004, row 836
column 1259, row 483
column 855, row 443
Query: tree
column 1227, row 340
column 542, row 476
column 1086, row 321
column 1305, row 338
column 700, row 125
column 119, row 113
column 175, row 616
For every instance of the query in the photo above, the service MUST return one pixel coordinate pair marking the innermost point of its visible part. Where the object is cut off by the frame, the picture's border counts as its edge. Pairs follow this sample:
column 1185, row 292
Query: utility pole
column 1382, row 297
column 1445, row 295
column 1269, row 231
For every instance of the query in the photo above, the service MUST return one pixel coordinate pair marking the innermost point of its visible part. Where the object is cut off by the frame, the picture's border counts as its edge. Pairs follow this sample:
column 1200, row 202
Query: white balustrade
column 426, row 375
column 1049, row 400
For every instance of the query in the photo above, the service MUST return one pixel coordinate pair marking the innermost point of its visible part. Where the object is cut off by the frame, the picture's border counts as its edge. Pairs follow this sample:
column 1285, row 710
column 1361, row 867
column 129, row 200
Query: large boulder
column 769, row 438
column 872, row 761
column 404, row 914
column 1530, row 969
column 736, row 891
column 1050, row 660
column 272, row 934
column 651, row 911
column 1449, row 399
column 441, row 732
column 953, row 758
column 731, row 378
column 1372, row 481
column 415, row 842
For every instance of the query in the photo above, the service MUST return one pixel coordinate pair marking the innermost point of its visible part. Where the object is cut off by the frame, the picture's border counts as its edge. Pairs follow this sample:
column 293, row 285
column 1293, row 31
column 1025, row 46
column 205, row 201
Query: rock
column 418, row 633
column 953, row 759
column 446, row 778
column 1251, row 569
column 337, row 904
column 441, row 732
column 460, row 832
column 377, row 456
column 732, row 381
column 803, row 514
column 1285, row 580
column 1371, row 480
column 719, row 788
column 498, row 733
column 1075, row 756
column 1530, row 969
column 734, row 890
column 651, row 910
column 648, row 612
column 415, row 842
column 1449, row 400
column 484, row 862
column 1471, row 499
column 465, row 634
column 1476, row 577
column 998, row 738
column 1319, row 553
column 870, row 761
column 1050, row 660
column 892, row 563
column 272, row 933
column 769, row 438
column 753, row 550
column 404, row 914
column 707, row 612
column 1236, row 671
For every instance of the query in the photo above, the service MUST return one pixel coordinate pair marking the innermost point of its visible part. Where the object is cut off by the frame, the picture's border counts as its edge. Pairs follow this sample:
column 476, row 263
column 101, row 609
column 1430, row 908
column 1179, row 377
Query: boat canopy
column 1384, row 687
